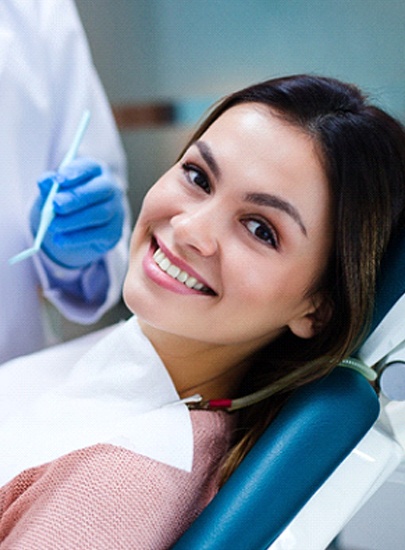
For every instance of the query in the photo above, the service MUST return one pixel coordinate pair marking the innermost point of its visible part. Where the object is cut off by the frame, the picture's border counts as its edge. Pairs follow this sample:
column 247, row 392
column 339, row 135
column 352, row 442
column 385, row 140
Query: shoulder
column 114, row 497
column 212, row 434
column 40, row 16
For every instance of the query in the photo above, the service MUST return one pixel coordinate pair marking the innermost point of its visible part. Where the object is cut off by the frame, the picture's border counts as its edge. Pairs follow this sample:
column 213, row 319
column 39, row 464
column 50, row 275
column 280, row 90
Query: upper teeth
column 165, row 265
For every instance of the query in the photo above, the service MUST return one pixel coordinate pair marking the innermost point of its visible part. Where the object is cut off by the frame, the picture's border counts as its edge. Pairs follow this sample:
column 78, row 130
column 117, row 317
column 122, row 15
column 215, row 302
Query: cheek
column 151, row 203
column 283, row 288
column 160, row 201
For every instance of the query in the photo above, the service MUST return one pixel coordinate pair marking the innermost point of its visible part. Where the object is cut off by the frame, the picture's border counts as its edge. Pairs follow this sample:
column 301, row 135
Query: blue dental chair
column 322, row 457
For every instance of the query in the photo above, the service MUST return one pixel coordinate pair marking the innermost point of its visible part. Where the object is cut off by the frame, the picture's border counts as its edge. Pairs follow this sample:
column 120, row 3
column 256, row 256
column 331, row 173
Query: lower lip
column 162, row 279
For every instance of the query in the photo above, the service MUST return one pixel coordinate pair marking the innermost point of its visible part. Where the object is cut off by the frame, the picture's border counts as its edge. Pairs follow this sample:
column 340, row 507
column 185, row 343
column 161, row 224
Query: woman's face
column 232, row 237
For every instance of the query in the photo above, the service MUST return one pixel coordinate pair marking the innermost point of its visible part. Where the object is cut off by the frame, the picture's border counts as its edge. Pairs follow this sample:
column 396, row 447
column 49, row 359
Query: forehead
column 260, row 126
column 252, row 134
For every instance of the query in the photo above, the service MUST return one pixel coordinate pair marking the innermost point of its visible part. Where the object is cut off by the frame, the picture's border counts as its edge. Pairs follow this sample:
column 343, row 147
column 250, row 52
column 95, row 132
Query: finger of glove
column 76, row 255
column 100, row 214
column 46, row 182
column 98, row 190
column 78, row 172
column 83, row 247
column 103, row 237
column 75, row 173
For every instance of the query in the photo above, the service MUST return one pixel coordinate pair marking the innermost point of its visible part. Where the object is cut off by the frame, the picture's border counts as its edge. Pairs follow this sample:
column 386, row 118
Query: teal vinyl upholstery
column 313, row 433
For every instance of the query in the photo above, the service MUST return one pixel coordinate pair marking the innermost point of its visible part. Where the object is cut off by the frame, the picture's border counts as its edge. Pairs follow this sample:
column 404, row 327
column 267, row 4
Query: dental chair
column 326, row 452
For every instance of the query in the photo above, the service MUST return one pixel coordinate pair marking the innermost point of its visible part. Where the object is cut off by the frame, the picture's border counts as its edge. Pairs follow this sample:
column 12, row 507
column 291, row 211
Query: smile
column 176, row 273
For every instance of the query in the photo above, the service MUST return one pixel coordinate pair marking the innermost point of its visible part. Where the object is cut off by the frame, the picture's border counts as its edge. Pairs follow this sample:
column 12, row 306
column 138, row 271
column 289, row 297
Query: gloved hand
column 89, row 213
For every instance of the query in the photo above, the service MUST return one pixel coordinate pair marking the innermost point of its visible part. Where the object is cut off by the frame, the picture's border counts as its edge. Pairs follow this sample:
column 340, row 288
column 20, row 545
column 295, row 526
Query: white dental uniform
column 47, row 79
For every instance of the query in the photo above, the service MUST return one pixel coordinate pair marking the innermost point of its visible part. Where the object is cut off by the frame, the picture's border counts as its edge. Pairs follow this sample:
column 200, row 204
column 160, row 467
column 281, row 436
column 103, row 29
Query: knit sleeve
column 108, row 497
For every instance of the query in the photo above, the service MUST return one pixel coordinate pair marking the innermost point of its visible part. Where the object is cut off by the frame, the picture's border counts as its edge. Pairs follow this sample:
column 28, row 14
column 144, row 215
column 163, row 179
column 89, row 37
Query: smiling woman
column 252, row 267
column 230, row 214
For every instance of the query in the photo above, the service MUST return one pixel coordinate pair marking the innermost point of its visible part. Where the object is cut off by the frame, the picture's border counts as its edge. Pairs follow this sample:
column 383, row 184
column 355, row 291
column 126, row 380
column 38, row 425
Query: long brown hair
column 362, row 150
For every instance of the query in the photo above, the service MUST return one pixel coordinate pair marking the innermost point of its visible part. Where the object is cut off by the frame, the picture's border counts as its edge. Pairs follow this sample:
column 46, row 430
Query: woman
column 253, row 265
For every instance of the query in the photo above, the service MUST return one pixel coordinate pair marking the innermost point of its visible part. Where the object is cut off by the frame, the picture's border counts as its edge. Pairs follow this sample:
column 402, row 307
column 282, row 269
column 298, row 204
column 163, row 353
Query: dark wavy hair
column 362, row 150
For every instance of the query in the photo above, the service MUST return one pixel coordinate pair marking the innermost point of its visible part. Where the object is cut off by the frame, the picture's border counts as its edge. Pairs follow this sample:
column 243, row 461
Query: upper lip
column 181, row 263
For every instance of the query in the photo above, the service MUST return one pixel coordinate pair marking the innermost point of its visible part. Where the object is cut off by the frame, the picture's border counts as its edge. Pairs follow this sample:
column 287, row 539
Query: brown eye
column 196, row 176
column 261, row 231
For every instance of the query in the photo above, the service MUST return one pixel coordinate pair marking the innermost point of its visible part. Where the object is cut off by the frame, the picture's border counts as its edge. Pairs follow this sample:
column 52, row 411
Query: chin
column 139, row 301
column 129, row 294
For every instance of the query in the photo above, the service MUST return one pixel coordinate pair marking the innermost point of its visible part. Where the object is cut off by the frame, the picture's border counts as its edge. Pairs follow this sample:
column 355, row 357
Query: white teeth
column 164, row 264
column 191, row 281
column 182, row 277
column 173, row 271
column 158, row 255
column 176, row 272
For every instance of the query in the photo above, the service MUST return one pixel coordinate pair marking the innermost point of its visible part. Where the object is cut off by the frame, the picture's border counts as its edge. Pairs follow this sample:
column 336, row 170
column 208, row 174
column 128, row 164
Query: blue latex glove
column 89, row 214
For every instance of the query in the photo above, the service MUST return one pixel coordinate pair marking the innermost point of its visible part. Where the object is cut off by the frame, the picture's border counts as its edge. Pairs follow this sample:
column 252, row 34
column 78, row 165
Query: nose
column 197, row 230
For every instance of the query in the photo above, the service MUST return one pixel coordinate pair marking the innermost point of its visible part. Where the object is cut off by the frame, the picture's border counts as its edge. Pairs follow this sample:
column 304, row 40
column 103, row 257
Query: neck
column 212, row 370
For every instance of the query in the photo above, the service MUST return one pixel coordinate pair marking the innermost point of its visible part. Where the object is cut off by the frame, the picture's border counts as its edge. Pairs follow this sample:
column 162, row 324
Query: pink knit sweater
column 106, row 497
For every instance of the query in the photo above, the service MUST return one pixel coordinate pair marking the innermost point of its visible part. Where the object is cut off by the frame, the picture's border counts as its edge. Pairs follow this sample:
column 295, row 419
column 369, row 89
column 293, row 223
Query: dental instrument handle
column 47, row 216
column 48, row 213
column 70, row 155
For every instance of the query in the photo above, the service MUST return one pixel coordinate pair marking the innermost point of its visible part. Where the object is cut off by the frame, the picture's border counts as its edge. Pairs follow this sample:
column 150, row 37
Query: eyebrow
column 264, row 199
column 260, row 199
column 207, row 155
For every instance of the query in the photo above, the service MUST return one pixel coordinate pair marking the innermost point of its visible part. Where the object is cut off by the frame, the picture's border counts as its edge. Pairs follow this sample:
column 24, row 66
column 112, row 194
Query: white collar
column 119, row 392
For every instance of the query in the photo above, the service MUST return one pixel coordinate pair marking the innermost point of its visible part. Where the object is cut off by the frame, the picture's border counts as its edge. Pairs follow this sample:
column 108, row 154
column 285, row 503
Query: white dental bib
column 118, row 392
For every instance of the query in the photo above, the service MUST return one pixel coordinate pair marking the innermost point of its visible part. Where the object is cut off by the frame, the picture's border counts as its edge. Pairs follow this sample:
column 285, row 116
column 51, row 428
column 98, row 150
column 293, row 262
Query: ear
column 312, row 322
